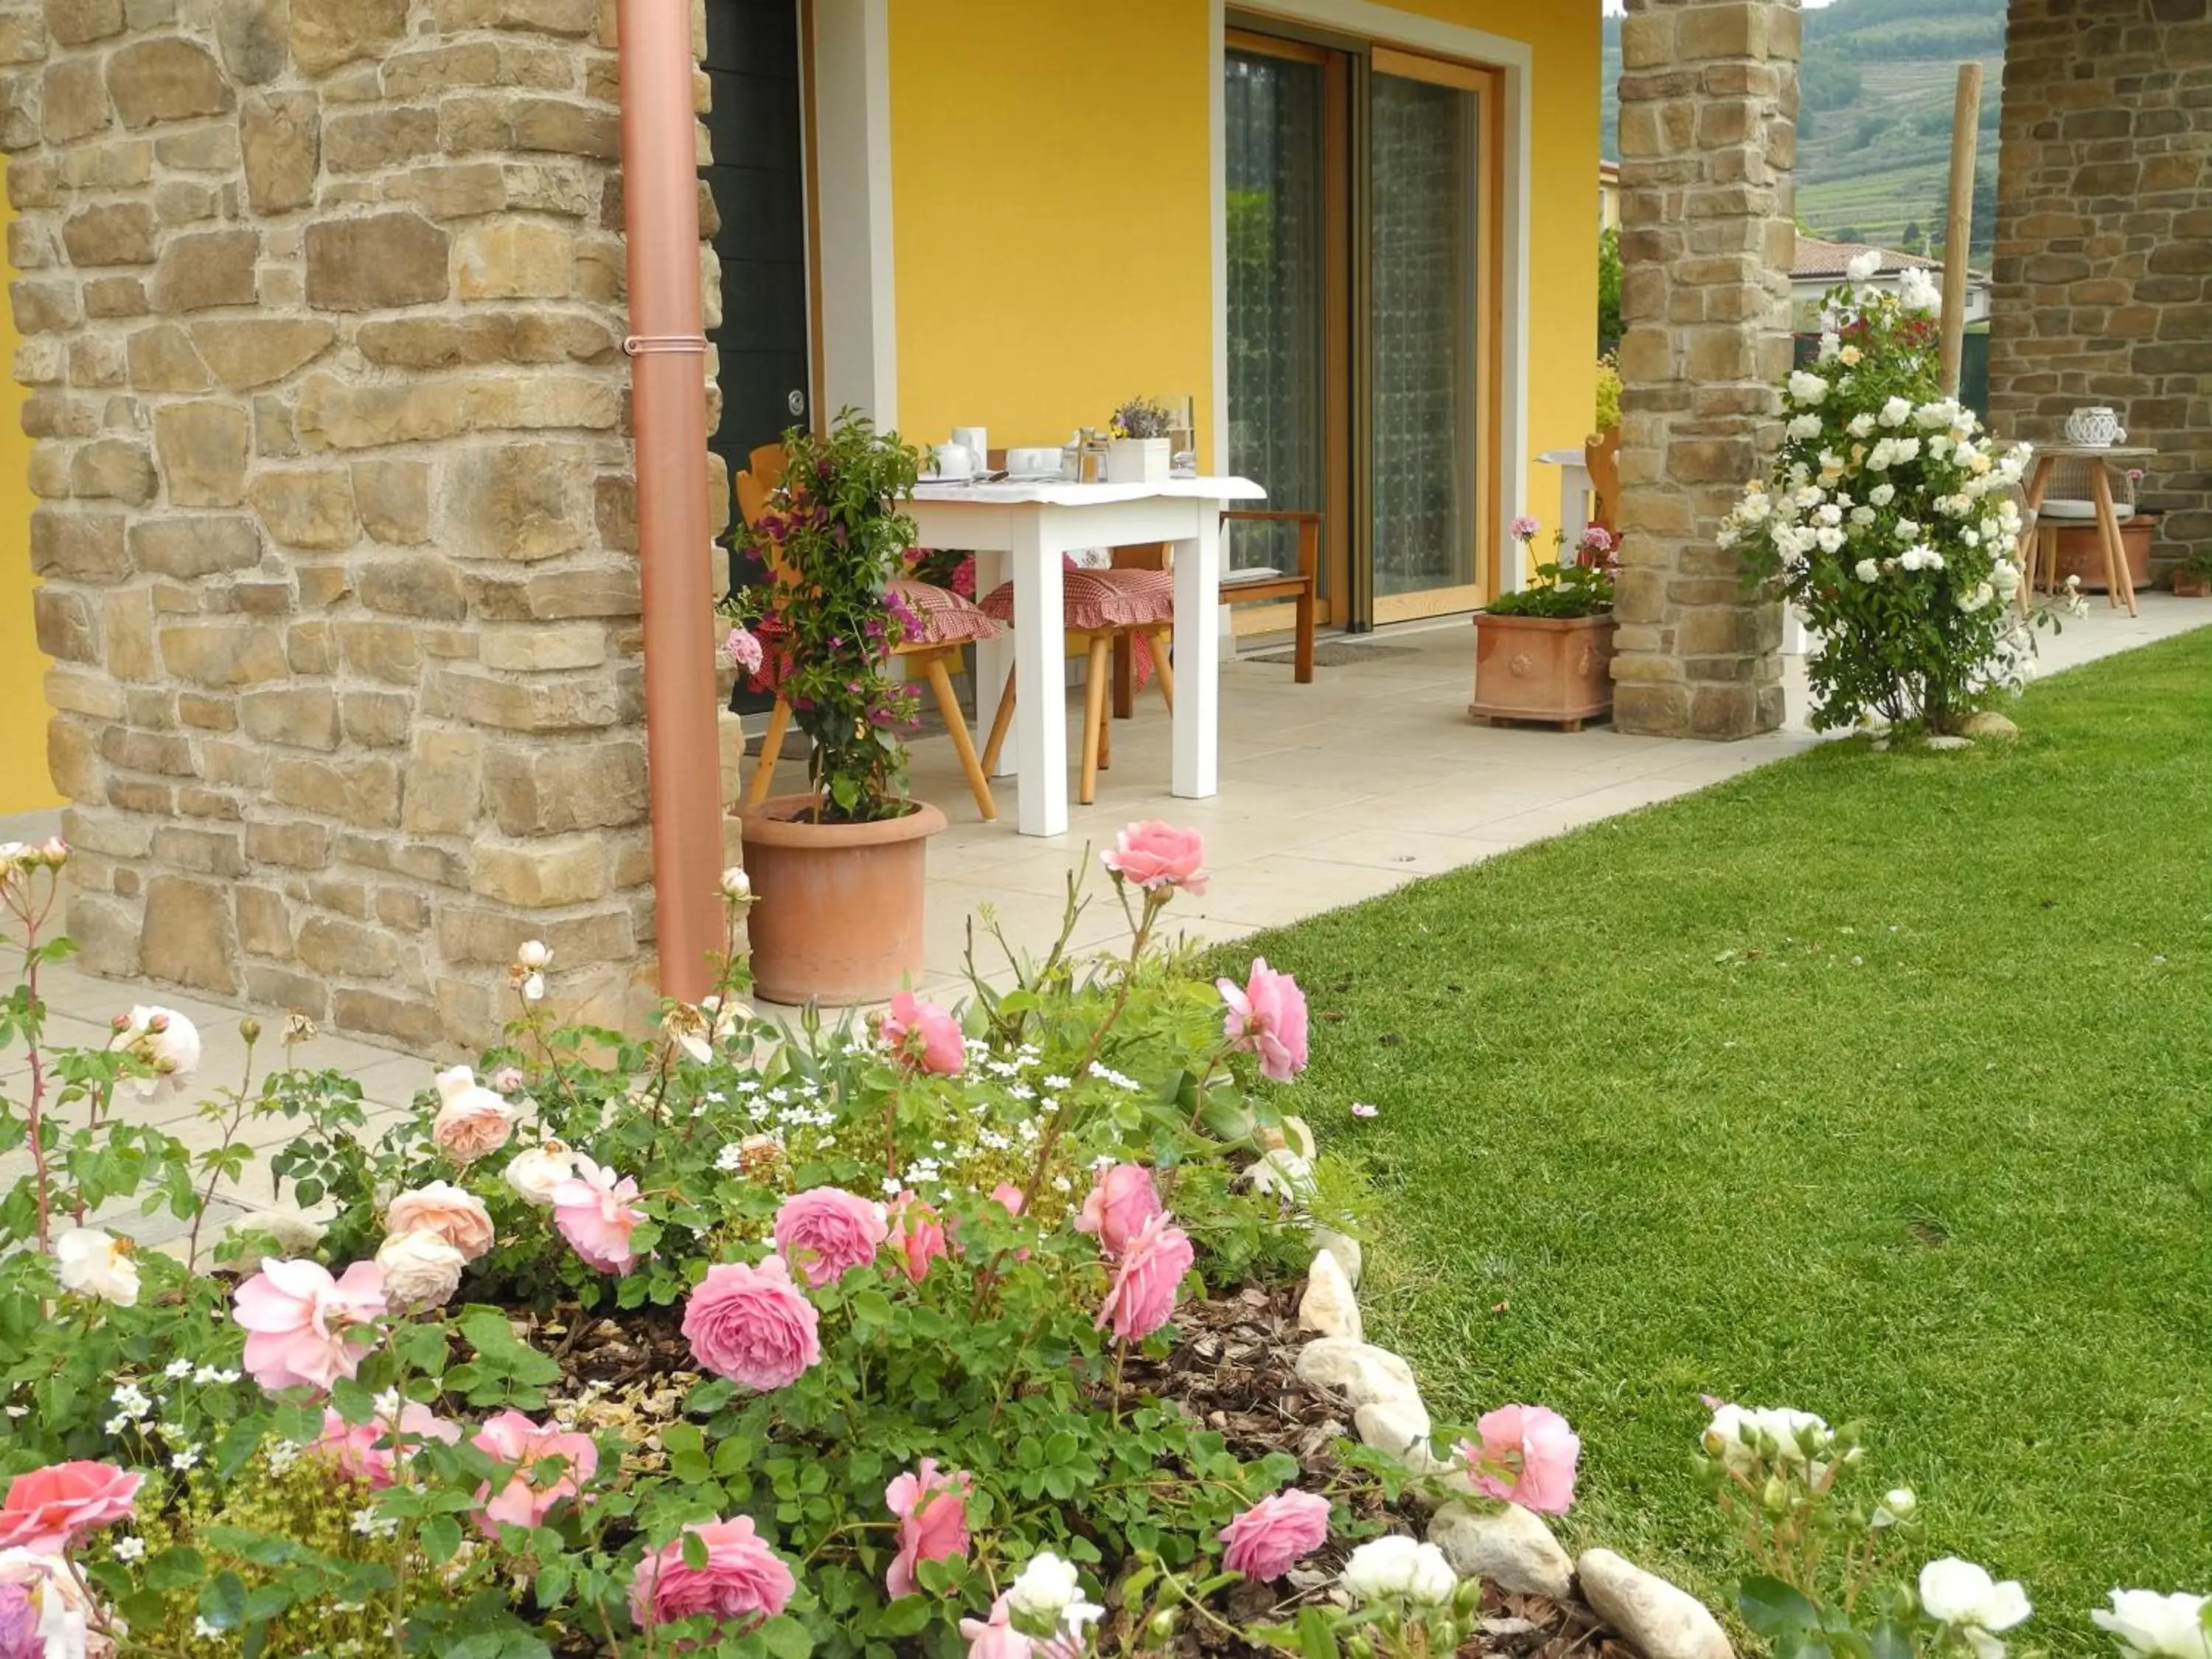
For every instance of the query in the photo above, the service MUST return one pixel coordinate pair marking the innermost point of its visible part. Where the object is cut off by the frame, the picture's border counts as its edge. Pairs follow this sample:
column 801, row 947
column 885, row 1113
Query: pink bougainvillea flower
column 917, row 1235
column 355, row 1448
column 1122, row 1201
column 472, row 1120
column 1267, row 1018
column 1150, row 1278
column 1275, row 1533
column 931, row 1508
column 455, row 1214
column 826, row 1230
column 304, row 1326
column 531, row 1490
column 46, row 1510
column 1527, row 1456
column 1158, row 857
column 752, row 1325
column 996, row 1636
column 592, row 1210
column 743, row 1582
column 924, row 1036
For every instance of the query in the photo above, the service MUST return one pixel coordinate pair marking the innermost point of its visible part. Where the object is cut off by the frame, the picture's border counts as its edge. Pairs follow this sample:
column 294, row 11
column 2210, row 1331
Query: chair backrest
column 1601, row 455
column 767, row 464
column 755, row 485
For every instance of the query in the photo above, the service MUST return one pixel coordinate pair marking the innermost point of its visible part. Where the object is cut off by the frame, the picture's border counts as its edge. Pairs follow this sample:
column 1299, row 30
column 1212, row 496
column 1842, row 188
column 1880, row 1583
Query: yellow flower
column 1851, row 356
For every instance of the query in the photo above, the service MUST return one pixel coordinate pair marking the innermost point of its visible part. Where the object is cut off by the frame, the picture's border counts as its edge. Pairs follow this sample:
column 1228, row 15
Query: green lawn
column 1875, row 1086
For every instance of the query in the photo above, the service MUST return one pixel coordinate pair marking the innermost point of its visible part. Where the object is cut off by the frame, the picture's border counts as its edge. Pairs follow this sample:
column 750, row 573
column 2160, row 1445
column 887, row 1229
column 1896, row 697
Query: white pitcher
column 2096, row 428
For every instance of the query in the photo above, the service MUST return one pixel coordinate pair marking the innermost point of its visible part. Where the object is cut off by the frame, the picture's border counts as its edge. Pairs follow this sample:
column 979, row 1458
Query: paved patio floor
column 1332, row 792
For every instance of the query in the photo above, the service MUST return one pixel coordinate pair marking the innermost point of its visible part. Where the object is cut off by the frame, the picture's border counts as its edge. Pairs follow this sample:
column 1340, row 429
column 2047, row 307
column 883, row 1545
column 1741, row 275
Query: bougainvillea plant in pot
column 841, row 868
column 1544, row 653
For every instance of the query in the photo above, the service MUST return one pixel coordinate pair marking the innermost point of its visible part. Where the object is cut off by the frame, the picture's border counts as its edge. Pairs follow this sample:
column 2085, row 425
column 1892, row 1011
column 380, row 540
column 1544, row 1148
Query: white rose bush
column 1888, row 519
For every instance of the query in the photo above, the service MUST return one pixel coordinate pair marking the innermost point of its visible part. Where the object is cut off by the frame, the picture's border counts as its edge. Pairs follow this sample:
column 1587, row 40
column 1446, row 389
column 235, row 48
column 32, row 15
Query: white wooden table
column 1019, row 530
column 1575, row 488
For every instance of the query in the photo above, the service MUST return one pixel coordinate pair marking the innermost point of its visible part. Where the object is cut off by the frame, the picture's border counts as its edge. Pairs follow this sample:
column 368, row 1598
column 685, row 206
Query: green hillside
column 1873, row 148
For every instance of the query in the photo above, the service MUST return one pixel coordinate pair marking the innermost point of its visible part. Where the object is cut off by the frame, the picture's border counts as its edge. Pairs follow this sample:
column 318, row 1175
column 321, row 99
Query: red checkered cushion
column 947, row 618
column 1101, row 599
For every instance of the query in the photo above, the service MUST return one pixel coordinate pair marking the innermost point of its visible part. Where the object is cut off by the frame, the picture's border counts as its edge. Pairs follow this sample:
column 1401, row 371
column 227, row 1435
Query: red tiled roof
column 1818, row 258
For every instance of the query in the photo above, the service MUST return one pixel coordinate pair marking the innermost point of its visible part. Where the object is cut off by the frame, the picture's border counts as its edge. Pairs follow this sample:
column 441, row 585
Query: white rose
column 1864, row 265
column 1867, row 570
column 1981, row 596
column 1830, row 513
column 2004, row 576
column 421, row 1270
column 1897, row 1504
column 1861, row 516
column 1896, row 412
column 1804, row 427
column 1964, row 1596
column 1883, row 454
column 1381, row 1567
column 1908, row 529
column 1806, row 387
column 532, row 954
column 1908, row 449
column 92, row 1261
column 1044, row 1589
column 1862, row 425
column 2157, row 1626
column 735, row 884
column 1882, row 494
column 1434, row 1581
column 1831, row 345
column 166, row 1041
column 1917, row 293
column 537, row 1171
column 1830, row 539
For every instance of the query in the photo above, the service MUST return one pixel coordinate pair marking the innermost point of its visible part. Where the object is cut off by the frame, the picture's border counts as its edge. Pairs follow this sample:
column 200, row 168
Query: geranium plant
column 1579, row 584
column 1887, row 520
column 832, row 538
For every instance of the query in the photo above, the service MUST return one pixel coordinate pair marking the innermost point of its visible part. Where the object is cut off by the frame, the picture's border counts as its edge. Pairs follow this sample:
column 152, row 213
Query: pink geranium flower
column 743, row 651
column 1527, row 1456
column 1148, row 1280
column 924, row 1036
column 1122, row 1201
column 1157, row 856
column 363, row 1451
column 752, row 1325
column 931, row 1508
column 1267, row 1018
column 996, row 1636
column 917, row 1235
column 304, row 1326
column 531, row 1490
column 743, row 1582
column 591, row 1210
column 826, row 1230
column 1275, row 1533
column 46, row 1510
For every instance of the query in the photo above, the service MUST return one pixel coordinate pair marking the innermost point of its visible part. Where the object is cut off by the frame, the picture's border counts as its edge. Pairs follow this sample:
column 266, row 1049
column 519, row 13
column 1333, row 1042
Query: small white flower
column 2157, row 1626
column 1897, row 1505
column 1917, row 293
column 1046, row 1590
column 129, row 1549
column 204, row 1632
column 1398, row 1566
column 1864, row 265
column 188, row 1458
column 1964, row 1596
column 736, row 884
column 1867, row 570
column 1896, row 412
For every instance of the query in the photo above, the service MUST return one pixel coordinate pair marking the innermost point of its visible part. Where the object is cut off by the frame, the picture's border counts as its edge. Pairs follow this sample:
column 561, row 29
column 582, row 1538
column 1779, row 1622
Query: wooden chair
column 1601, row 457
column 1299, row 586
column 931, row 654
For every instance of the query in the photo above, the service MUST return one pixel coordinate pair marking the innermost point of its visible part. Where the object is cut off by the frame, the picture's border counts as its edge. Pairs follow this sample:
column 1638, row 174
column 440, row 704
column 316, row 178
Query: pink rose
column 1155, row 856
column 917, row 1235
column 933, row 1516
column 364, row 1451
column 743, row 1582
column 47, row 1511
column 996, row 1638
column 303, row 1326
column 590, row 1209
column 1527, row 1457
column 1122, row 1201
column 925, row 1037
column 1267, row 1018
column 530, row 1492
column 506, row 1079
column 1145, row 1286
column 826, row 1231
column 752, row 1325
column 472, row 1120
column 455, row 1214
column 1275, row 1533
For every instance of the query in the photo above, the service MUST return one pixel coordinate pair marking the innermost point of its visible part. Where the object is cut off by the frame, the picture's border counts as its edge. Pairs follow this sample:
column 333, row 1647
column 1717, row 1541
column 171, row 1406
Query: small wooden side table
column 2119, row 586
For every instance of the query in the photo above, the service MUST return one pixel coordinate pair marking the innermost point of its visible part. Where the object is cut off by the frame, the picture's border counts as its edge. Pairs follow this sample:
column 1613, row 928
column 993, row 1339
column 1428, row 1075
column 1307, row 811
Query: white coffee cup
column 1032, row 462
column 952, row 461
column 977, row 442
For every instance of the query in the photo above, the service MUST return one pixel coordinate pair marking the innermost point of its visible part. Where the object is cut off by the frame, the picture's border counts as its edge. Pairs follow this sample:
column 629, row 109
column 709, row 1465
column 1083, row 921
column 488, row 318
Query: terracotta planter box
column 1554, row 669
column 838, row 919
column 2081, row 554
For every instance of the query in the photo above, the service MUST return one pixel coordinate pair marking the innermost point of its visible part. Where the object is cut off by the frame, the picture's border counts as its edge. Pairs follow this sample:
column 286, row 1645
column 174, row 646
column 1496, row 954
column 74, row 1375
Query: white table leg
column 1040, row 652
column 993, row 659
column 1574, row 506
column 1198, row 658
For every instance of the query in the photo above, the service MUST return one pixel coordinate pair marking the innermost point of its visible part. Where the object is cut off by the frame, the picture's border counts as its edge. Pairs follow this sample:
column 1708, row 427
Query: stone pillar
column 1708, row 102
column 322, row 311
column 2102, row 268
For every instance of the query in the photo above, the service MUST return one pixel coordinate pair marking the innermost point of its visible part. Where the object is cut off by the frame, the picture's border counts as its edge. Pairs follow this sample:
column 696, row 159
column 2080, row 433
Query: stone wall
column 2104, row 239
column 322, row 309
column 1708, row 139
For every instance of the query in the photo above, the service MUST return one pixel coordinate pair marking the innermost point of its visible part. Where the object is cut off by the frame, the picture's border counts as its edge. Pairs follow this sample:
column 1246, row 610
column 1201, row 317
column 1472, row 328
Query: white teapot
column 2096, row 428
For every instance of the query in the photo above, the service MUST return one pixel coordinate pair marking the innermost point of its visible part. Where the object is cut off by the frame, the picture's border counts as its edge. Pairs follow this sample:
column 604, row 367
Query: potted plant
column 838, row 870
column 2192, row 577
column 1139, row 453
column 1545, row 652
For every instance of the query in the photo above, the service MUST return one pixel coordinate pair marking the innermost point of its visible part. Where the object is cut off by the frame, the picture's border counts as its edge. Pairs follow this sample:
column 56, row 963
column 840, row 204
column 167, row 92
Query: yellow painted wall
column 1052, row 207
column 24, row 786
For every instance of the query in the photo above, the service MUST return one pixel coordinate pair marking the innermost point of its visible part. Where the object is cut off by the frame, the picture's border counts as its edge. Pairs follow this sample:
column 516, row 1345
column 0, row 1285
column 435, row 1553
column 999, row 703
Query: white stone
column 1344, row 1246
column 1508, row 1545
column 1655, row 1619
column 1987, row 724
column 1300, row 1136
column 1328, row 1307
column 1943, row 742
column 1283, row 1173
column 1396, row 1426
column 1361, row 1372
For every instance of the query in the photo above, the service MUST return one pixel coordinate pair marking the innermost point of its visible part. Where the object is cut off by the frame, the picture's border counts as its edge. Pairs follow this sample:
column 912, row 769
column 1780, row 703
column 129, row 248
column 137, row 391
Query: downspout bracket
column 640, row 345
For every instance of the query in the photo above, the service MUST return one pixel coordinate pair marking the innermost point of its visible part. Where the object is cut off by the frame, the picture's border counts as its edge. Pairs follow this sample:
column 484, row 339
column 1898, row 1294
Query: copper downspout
column 668, row 414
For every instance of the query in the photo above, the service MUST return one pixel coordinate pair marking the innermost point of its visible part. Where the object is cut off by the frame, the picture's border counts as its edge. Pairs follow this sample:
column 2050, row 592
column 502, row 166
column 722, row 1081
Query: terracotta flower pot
column 2188, row 585
column 1556, row 669
column 839, row 913
column 2081, row 553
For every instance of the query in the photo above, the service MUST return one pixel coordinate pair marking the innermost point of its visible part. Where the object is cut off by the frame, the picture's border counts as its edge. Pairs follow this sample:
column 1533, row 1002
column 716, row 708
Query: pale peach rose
column 454, row 1213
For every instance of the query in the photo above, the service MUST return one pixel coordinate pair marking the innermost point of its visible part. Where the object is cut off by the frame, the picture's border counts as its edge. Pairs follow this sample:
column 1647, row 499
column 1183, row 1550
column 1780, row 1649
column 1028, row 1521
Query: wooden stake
column 1965, row 124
